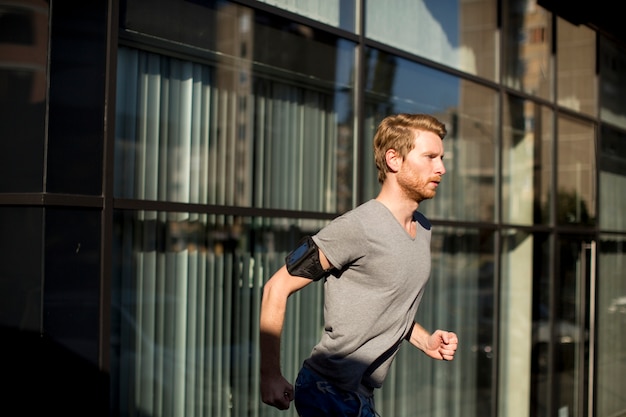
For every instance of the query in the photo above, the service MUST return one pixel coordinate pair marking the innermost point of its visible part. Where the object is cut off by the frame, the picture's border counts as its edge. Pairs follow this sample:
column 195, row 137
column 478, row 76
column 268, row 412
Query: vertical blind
column 186, row 316
column 179, row 139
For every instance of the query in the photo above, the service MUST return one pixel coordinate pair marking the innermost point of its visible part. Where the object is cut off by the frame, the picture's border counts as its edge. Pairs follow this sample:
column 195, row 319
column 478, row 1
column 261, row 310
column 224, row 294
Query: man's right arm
column 275, row 389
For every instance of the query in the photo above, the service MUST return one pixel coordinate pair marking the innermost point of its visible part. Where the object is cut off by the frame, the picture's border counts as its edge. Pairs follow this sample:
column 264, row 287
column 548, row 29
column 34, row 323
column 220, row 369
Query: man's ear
column 393, row 159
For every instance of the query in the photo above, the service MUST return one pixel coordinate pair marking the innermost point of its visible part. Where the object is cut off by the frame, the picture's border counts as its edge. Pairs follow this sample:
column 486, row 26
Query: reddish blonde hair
column 398, row 132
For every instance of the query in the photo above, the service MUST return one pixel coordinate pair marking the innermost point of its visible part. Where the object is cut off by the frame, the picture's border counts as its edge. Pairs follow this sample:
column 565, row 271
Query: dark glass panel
column 77, row 97
column 23, row 56
column 612, row 65
column 20, row 267
column 612, row 167
column 71, row 301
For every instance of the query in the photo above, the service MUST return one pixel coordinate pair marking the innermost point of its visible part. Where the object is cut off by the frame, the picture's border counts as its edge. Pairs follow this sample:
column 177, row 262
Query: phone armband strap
column 304, row 260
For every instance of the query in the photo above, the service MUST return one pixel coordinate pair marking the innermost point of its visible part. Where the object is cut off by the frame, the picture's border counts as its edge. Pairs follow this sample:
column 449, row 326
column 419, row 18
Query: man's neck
column 398, row 204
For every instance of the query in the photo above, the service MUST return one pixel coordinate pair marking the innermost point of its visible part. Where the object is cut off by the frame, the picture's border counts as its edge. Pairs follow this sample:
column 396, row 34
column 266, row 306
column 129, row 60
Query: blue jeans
column 316, row 397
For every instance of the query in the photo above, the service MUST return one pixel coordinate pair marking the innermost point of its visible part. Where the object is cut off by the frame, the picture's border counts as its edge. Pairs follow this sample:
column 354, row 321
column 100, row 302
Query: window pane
column 338, row 13
column 185, row 312
column 395, row 85
column 528, row 64
column 418, row 387
column 71, row 297
column 20, row 276
column 23, row 66
column 526, row 162
column 524, row 302
column 570, row 328
column 576, row 64
column 611, row 322
column 576, row 196
column 460, row 34
column 612, row 178
column 240, row 129
column 77, row 99
column 612, row 82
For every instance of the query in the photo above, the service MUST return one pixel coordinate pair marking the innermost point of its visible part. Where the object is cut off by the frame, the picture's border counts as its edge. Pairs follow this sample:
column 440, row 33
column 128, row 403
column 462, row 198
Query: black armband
column 304, row 260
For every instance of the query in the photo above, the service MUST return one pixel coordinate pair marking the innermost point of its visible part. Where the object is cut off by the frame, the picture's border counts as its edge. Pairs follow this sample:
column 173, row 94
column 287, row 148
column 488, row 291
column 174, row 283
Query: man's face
column 422, row 169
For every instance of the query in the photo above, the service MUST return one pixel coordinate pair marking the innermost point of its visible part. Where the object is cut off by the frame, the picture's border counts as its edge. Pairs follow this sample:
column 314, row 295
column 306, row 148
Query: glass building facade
column 160, row 158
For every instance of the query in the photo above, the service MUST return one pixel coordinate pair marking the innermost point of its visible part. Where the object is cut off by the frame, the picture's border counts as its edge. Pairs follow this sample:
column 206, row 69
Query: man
column 375, row 261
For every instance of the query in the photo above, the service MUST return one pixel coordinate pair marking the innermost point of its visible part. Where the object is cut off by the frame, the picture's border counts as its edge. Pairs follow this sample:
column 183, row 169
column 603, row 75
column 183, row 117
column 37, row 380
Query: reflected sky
column 416, row 88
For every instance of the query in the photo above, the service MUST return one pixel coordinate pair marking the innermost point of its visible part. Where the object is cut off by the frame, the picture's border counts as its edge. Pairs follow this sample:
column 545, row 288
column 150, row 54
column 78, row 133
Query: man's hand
column 441, row 345
column 276, row 391
column 438, row 345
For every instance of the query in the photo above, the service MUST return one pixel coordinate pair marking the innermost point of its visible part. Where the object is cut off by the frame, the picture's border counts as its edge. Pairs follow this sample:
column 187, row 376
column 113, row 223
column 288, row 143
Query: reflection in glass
column 524, row 258
column 612, row 171
column 233, row 135
column 571, row 326
column 461, row 34
column 612, row 82
column 576, row 196
column 610, row 377
column 458, row 297
column 576, row 64
column 515, row 323
column 528, row 64
column 395, row 85
column 338, row 13
column 526, row 162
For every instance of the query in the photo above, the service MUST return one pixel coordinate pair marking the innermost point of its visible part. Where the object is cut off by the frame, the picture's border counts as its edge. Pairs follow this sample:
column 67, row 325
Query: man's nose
column 441, row 168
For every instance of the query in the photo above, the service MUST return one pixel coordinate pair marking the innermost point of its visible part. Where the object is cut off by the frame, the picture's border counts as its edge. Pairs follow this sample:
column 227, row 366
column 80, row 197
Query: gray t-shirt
column 371, row 300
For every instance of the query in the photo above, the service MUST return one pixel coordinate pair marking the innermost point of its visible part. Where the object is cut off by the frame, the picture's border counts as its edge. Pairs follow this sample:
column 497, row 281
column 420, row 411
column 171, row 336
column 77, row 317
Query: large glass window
column 528, row 62
column 612, row 171
column 576, row 195
column 526, row 161
column 395, row 85
column 222, row 106
column 576, row 68
column 250, row 125
column 460, row 34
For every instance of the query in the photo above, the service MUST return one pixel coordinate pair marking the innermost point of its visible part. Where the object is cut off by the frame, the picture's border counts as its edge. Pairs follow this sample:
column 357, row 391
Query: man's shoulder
column 370, row 206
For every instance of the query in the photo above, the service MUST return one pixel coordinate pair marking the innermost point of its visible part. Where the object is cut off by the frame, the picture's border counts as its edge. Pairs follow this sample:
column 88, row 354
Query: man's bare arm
column 275, row 389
